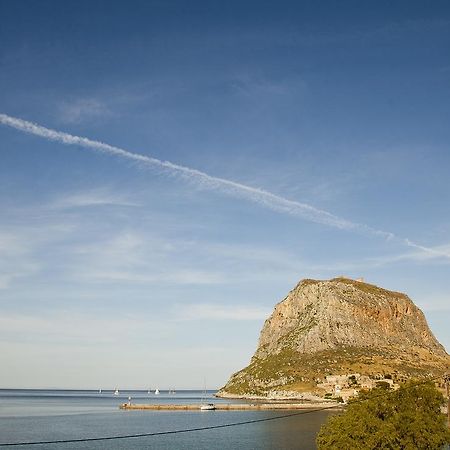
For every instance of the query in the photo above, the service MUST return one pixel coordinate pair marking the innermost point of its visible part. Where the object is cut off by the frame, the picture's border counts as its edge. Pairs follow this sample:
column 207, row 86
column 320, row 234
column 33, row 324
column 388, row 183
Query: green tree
column 407, row 419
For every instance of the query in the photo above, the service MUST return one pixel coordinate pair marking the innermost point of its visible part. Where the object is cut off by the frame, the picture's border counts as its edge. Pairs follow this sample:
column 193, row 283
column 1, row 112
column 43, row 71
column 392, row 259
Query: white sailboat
column 156, row 391
column 116, row 391
column 206, row 406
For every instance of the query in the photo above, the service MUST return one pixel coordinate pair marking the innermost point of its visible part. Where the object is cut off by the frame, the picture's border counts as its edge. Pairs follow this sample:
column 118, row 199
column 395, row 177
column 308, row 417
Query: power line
column 160, row 433
column 211, row 427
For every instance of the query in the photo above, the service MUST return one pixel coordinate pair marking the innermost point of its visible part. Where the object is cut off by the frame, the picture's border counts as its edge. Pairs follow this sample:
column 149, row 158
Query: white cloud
column 15, row 257
column 208, row 311
column 84, row 251
column 83, row 109
column 424, row 253
column 130, row 257
column 149, row 257
column 66, row 327
column 176, row 277
column 437, row 254
column 95, row 197
column 21, row 246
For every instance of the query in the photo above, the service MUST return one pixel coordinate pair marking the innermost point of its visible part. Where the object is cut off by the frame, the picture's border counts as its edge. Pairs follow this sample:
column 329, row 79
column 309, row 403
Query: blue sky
column 115, row 272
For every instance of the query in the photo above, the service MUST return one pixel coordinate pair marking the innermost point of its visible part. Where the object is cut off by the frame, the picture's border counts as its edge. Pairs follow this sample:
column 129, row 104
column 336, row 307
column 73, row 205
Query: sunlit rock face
column 339, row 326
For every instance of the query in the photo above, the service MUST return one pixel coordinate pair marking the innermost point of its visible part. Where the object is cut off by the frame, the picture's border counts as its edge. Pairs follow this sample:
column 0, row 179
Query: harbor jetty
column 231, row 406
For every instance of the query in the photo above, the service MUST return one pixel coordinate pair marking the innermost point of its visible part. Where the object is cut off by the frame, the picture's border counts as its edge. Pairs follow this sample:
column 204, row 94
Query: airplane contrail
column 260, row 196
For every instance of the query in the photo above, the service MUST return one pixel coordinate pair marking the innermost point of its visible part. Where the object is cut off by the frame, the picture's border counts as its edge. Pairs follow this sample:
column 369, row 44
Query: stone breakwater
column 233, row 407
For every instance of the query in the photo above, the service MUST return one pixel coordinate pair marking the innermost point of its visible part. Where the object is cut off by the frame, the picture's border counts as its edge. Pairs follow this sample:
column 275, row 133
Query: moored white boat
column 208, row 407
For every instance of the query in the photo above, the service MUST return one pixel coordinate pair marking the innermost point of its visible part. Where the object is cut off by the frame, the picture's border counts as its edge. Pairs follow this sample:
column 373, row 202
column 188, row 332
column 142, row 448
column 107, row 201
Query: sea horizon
column 35, row 415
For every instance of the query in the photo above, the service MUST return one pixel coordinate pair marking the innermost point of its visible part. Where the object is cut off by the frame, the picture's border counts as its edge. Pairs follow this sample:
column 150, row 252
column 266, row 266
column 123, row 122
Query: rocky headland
column 338, row 333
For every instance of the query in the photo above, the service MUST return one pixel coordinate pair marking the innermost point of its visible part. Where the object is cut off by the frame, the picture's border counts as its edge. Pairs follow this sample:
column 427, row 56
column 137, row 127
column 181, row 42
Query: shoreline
column 234, row 407
column 286, row 397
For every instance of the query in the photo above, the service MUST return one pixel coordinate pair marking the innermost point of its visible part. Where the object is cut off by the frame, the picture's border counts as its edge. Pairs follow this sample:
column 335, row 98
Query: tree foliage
column 408, row 419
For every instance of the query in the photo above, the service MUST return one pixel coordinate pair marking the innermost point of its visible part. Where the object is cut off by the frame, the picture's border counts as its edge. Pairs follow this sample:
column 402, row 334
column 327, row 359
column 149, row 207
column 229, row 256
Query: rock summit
column 336, row 327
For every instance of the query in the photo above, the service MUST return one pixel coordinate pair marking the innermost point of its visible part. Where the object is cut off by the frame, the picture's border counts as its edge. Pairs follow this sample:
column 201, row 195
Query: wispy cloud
column 15, row 258
column 429, row 252
column 208, row 311
column 96, row 197
column 259, row 196
column 57, row 236
column 174, row 277
column 247, row 85
column 71, row 327
column 419, row 254
column 439, row 255
column 130, row 257
column 83, row 109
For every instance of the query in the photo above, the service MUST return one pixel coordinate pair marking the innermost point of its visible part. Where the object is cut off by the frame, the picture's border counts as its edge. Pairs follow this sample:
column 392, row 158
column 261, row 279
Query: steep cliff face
column 335, row 327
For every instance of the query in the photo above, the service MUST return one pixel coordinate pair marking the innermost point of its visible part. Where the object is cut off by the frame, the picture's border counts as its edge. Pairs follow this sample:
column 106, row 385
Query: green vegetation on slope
column 291, row 370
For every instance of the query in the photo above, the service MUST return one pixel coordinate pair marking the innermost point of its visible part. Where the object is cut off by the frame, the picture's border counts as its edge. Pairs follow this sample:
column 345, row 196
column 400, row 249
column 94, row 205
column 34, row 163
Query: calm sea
column 40, row 415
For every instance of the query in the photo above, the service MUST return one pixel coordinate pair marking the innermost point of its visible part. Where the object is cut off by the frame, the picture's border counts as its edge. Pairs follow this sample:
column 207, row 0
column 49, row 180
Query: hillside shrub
column 407, row 419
